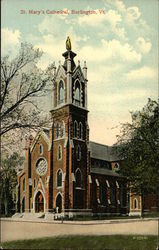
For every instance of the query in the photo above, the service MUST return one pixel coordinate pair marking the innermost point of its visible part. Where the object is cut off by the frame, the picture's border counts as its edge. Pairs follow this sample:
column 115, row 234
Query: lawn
column 115, row 242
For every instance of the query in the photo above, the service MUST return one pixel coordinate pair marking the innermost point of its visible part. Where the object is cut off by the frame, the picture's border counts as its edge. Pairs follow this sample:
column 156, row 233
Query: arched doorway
column 39, row 203
column 23, row 205
column 59, row 203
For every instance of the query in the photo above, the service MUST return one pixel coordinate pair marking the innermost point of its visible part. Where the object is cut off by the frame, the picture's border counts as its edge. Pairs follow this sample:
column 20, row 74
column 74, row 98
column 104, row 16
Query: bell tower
column 71, row 159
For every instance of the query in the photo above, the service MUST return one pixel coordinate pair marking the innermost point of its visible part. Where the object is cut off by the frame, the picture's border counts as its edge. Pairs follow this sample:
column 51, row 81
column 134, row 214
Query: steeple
column 70, row 81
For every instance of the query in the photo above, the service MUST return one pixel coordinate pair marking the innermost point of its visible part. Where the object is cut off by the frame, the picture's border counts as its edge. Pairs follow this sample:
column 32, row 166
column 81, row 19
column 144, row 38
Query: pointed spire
column 85, row 70
column 54, row 68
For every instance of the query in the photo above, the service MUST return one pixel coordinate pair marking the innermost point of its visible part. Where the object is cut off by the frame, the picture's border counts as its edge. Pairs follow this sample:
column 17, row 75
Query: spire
column 85, row 70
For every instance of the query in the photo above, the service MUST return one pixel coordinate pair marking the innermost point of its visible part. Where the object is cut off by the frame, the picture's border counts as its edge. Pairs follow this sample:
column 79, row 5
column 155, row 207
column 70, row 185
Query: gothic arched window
column 113, row 194
column 75, row 129
column 81, row 131
column 61, row 94
column 78, row 152
column 135, row 204
column 41, row 149
column 78, row 178
column 103, row 194
column 59, row 152
column 77, row 93
column 57, row 130
column 59, row 178
column 62, row 132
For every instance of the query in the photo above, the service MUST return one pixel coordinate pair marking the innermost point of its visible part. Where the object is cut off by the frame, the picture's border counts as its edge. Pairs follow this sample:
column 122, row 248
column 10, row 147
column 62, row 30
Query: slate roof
column 103, row 152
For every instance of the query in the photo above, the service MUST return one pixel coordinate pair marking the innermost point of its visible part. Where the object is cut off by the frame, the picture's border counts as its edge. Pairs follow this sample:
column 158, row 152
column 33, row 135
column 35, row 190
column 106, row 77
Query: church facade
column 64, row 171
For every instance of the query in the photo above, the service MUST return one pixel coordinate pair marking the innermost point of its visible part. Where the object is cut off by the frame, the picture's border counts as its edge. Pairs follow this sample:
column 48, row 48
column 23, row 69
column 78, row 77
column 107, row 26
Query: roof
column 45, row 134
column 103, row 152
column 104, row 171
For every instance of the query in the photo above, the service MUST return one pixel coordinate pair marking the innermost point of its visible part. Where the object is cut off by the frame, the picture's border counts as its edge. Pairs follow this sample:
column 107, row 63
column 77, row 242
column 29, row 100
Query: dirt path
column 12, row 229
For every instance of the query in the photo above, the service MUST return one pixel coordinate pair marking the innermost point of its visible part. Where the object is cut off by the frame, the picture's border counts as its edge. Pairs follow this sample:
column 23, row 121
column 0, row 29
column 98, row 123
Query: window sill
column 78, row 139
column 60, row 138
column 79, row 188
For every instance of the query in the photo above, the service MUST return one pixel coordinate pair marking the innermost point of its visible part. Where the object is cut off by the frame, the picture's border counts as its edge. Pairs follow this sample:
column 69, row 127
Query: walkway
column 16, row 229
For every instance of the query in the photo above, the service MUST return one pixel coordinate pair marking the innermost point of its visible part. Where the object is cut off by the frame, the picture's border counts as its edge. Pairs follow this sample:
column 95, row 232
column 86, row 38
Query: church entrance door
column 39, row 203
column 79, row 199
column 59, row 203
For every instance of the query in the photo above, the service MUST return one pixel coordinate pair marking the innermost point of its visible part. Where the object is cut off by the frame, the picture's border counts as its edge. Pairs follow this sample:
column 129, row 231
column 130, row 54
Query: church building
column 66, row 173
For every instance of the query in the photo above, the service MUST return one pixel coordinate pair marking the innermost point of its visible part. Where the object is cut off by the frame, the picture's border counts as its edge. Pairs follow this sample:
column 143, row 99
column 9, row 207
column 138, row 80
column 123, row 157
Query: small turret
column 85, row 70
column 54, row 69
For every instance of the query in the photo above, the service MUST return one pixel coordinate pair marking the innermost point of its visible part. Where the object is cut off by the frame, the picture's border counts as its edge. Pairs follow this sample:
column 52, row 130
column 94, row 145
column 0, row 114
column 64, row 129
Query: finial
column 68, row 43
column 54, row 68
column 78, row 62
column 85, row 66
column 60, row 62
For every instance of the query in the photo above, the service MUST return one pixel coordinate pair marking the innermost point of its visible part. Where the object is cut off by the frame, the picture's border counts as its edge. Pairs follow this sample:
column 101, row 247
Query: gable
column 37, row 138
column 60, row 73
column 77, row 73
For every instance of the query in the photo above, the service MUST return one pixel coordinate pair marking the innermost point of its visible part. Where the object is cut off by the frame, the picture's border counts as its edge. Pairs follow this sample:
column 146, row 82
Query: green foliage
column 138, row 146
column 9, row 165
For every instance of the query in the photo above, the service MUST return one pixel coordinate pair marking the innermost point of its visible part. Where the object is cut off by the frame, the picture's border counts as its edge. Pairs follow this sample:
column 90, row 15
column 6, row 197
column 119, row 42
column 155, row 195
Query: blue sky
column 120, row 47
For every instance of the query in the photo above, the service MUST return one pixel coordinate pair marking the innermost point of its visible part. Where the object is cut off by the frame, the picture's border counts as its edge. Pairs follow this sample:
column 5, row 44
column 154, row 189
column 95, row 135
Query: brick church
column 65, row 172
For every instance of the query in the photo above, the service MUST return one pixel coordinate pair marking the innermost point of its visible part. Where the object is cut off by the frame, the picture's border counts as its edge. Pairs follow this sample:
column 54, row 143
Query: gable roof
column 103, row 152
column 45, row 134
column 77, row 73
column 61, row 72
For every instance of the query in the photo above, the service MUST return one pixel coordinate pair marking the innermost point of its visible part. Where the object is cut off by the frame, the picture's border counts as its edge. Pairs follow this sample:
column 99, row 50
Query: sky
column 118, row 40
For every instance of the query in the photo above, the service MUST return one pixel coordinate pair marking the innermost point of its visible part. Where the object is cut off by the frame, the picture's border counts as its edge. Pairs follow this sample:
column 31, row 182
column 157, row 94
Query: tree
column 9, row 164
column 138, row 147
column 21, row 83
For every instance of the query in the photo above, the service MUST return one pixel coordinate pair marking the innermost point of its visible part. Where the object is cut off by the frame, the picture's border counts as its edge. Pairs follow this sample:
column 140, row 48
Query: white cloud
column 118, row 4
column 115, row 20
column 133, row 13
column 104, row 73
column 53, row 47
column 91, row 20
column 111, row 16
column 10, row 41
column 110, row 50
column 142, row 73
column 143, row 46
column 106, row 99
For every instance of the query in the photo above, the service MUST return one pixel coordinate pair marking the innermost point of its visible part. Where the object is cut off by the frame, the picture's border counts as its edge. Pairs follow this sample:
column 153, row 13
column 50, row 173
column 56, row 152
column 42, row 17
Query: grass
column 113, row 242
